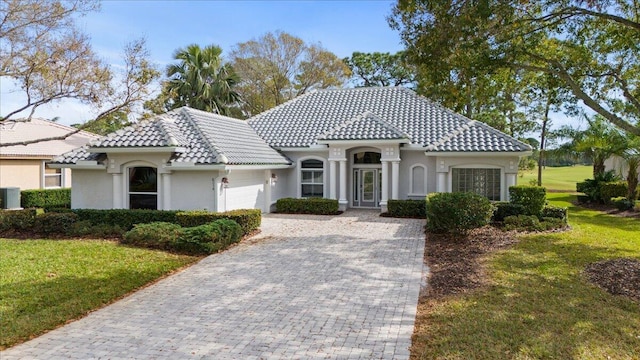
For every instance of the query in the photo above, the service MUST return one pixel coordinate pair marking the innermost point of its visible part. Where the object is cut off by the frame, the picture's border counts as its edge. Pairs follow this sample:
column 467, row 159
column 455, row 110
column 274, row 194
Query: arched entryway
column 366, row 179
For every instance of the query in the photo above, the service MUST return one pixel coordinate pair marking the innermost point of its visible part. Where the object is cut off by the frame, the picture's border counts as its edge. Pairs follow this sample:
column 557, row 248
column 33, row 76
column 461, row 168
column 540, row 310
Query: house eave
column 478, row 153
column 80, row 165
column 364, row 142
column 137, row 149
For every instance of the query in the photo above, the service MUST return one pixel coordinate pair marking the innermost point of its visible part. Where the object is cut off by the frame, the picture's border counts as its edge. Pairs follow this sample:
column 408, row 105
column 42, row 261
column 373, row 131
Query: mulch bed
column 617, row 277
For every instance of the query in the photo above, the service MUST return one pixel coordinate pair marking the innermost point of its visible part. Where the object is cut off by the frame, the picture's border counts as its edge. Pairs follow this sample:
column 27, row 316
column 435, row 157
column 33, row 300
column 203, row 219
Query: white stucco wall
column 193, row 190
column 618, row 165
column 408, row 160
column 91, row 189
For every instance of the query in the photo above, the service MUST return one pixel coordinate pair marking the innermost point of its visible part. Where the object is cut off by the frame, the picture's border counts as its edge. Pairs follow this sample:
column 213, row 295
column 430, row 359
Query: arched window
column 312, row 178
column 143, row 188
column 418, row 180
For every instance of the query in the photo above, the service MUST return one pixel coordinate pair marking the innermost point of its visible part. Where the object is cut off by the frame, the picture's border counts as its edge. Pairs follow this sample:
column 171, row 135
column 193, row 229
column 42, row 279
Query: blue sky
column 342, row 27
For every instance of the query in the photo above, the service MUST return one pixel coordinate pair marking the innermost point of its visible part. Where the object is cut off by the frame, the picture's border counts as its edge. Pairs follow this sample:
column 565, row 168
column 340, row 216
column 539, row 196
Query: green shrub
column 248, row 219
column 228, row 231
column 622, row 203
column 532, row 198
column 18, row 220
column 316, row 206
column 45, row 198
column 504, row 209
column 584, row 199
column 457, row 212
column 125, row 218
column 54, row 223
column 612, row 189
column 592, row 187
column 523, row 223
column 155, row 235
column 101, row 231
column 556, row 212
column 407, row 208
column 550, row 223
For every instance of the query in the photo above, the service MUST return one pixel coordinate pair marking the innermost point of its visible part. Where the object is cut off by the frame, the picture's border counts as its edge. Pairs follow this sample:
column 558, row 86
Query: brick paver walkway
column 343, row 287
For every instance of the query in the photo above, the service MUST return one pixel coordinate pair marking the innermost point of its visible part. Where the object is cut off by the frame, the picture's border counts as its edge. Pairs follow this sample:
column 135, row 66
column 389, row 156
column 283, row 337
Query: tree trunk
column 543, row 135
column 598, row 166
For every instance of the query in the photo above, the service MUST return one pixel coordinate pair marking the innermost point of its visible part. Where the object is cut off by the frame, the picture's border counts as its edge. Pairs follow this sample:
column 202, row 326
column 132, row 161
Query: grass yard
column 45, row 283
column 558, row 178
column 538, row 304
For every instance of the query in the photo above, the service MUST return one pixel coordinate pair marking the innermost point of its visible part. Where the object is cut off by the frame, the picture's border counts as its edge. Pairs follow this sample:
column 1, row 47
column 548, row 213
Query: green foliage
column 531, row 197
column 45, row 198
column 106, row 124
column 228, row 231
column 18, row 220
column 457, row 212
column 622, row 203
column 532, row 223
column 248, row 219
column 555, row 212
column 610, row 190
column 593, row 187
column 155, row 235
column 407, row 208
column 504, row 209
column 54, row 223
column 84, row 228
column 379, row 69
column 125, row 218
column 317, row 206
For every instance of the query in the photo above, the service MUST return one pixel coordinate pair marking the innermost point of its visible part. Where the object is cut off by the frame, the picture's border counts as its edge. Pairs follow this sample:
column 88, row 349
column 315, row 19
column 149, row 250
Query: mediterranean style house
column 359, row 146
column 25, row 166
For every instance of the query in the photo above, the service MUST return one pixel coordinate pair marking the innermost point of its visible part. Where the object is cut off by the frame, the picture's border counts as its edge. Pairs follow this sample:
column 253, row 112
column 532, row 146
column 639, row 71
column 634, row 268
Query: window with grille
column 312, row 178
column 52, row 177
column 484, row 182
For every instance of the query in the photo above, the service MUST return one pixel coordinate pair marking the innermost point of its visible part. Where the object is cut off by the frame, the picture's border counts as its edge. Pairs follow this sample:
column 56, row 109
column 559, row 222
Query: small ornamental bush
column 593, row 187
column 407, row 208
column 504, row 209
column 45, row 198
column 613, row 189
column 556, row 212
column 228, row 231
column 532, row 198
column 523, row 223
column 248, row 219
column 622, row 203
column 18, row 220
column 457, row 212
column 54, row 223
column 155, row 235
column 316, row 206
column 84, row 228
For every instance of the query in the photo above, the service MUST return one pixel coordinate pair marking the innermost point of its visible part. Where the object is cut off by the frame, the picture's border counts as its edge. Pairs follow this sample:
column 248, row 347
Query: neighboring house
column 360, row 146
column 619, row 166
column 24, row 166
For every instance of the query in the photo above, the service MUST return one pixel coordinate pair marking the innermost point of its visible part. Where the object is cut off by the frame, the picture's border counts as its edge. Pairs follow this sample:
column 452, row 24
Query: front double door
column 367, row 187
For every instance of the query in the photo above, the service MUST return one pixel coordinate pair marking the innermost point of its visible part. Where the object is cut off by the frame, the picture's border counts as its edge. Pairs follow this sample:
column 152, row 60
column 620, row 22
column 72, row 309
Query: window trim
column 127, row 183
column 299, row 174
column 61, row 175
column 479, row 166
column 424, row 169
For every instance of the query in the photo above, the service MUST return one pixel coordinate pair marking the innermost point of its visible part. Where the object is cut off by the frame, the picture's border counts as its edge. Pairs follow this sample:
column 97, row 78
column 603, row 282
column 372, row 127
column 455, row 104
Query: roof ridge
column 210, row 143
column 288, row 102
column 451, row 135
column 171, row 139
column 208, row 113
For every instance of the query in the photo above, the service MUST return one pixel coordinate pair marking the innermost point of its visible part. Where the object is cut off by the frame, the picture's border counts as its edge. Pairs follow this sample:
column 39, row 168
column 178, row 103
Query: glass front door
column 366, row 189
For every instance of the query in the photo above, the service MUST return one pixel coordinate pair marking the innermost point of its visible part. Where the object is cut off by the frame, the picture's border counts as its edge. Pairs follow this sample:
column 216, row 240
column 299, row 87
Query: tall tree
column 592, row 47
column 278, row 67
column 380, row 69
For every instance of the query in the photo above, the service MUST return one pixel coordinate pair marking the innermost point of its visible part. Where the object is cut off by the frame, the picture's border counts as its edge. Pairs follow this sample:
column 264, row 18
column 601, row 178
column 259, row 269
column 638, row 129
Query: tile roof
column 36, row 129
column 202, row 138
column 366, row 126
column 318, row 115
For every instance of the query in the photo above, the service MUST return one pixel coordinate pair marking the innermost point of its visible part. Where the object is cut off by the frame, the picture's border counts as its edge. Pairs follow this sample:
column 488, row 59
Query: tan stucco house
column 25, row 166
column 359, row 146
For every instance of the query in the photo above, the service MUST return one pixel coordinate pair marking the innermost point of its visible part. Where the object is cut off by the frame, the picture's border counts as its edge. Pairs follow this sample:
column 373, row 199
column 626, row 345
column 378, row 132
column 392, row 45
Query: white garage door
column 245, row 190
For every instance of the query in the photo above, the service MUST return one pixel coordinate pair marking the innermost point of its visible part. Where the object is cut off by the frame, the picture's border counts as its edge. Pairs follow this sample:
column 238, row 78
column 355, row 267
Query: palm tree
column 200, row 80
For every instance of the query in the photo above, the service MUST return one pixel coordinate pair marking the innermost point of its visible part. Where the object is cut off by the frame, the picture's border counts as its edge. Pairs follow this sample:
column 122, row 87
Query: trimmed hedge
column 125, row 218
column 316, row 206
column 532, row 223
column 504, row 209
column 18, row 219
column 248, row 219
column 54, row 223
column 45, row 198
column 613, row 189
column 555, row 212
column 622, row 203
column 532, row 198
column 407, row 208
column 155, row 235
column 457, row 212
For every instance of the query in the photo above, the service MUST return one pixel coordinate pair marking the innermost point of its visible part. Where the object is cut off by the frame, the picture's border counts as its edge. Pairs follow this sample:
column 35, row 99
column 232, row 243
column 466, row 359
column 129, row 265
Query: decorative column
column 332, row 180
column 395, row 179
column 442, row 182
column 117, row 191
column 511, row 181
column 343, row 185
column 267, row 191
column 166, row 191
column 385, row 186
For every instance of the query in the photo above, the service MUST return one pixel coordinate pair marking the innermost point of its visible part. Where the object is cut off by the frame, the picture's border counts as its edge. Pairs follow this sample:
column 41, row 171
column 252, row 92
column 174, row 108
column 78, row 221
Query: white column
column 343, row 184
column 385, row 184
column 395, row 179
column 332, row 180
column 267, row 191
column 511, row 181
column 117, row 191
column 166, row 191
column 442, row 182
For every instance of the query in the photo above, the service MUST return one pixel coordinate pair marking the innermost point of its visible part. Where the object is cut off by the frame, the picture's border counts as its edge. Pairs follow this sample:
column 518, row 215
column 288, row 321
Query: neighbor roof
column 379, row 113
column 38, row 129
column 196, row 136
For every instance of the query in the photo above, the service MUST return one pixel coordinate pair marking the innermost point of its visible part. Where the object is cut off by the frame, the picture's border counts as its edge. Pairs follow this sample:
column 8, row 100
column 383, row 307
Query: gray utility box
column 10, row 198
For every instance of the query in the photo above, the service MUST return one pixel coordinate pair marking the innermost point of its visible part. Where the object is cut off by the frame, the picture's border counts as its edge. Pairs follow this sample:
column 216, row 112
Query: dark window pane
column 143, row 179
column 143, row 201
column 312, row 190
column 312, row 164
column 367, row 158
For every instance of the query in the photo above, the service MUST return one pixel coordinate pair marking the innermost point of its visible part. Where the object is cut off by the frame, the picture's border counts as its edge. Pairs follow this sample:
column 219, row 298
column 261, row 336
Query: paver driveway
column 306, row 287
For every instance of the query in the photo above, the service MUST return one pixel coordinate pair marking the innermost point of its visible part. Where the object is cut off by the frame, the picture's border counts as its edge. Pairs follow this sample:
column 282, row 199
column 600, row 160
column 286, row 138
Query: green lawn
column 539, row 306
column 44, row 283
column 558, row 178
